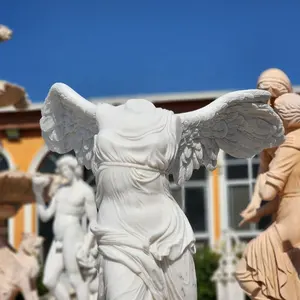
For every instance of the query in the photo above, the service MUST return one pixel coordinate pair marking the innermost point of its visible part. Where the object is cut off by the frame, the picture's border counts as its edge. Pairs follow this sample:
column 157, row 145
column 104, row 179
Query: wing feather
column 240, row 123
column 69, row 123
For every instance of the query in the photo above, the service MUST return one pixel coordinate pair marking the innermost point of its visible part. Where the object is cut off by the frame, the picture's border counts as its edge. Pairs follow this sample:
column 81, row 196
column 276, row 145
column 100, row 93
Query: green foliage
column 206, row 263
column 42, row 290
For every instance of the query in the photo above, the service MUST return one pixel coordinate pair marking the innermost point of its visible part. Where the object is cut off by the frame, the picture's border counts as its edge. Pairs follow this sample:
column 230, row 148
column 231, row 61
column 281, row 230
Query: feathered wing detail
column 69, row 123
column 240, row 123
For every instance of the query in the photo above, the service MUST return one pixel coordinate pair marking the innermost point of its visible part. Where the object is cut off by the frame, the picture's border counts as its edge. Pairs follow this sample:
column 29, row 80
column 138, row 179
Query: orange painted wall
column 22, row 152
column 216, row 204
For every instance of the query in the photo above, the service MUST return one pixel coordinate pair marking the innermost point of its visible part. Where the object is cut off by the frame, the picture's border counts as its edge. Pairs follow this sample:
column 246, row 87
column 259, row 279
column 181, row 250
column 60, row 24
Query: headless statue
column 144, row 238
column 68, row 205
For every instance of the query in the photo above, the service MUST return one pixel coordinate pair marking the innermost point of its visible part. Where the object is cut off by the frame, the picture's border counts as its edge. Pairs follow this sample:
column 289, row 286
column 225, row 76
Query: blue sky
column 105, row 48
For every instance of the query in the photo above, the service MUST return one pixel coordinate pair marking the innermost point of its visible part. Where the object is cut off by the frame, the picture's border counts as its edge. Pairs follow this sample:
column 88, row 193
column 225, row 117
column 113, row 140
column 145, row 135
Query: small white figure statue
column 92, row 272
column 145, row 240
column 70, row 202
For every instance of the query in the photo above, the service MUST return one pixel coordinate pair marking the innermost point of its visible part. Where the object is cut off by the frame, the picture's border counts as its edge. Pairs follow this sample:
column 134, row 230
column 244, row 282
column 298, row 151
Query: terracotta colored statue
column 145, row 240
column 277, row 83
column 18, row 271
column 270, row 264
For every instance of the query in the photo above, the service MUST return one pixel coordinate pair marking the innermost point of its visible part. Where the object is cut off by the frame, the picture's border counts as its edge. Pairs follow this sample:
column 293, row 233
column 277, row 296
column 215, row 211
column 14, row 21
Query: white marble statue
column 144, row 238
column 70, row 202
column 92, row 271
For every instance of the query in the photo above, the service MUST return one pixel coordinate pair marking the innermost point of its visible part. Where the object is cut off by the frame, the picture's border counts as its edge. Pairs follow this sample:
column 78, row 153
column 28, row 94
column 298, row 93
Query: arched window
column 6, row 164
column 193, row 199
column 240, row 178
column 48, row 165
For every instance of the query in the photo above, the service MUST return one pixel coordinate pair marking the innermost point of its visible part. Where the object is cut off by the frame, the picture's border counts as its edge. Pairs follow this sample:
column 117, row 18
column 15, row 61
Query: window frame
column 226, row 183
column 198, row 183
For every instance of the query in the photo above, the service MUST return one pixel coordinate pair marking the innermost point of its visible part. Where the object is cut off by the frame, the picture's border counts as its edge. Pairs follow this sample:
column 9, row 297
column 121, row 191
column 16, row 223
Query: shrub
column 42, row 290
column 206, row 263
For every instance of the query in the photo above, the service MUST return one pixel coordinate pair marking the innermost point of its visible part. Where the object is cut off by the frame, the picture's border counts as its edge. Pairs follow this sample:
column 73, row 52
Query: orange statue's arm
column 256, row 199
column 256, row 214
column 265, row 160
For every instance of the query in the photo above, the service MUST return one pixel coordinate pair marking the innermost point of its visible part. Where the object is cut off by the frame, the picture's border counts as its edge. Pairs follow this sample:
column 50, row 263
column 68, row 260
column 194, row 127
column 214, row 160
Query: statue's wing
column 240, row 123
column 69, row 123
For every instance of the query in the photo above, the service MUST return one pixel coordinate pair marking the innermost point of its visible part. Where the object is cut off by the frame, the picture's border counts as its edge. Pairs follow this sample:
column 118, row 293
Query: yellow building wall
column 23, row 153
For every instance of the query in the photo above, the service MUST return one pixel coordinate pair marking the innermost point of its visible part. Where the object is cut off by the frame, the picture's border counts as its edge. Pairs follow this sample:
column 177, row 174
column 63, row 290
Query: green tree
column 206, row 263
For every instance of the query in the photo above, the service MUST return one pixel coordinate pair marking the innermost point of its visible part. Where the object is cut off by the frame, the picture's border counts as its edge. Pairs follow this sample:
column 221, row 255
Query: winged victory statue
column 143, row 236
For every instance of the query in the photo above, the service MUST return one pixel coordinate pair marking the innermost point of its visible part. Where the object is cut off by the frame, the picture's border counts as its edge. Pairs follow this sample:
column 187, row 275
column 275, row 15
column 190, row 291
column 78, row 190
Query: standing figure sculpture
column 277, row 83
column 270, row 265
column 145, row 240
column 70, row 202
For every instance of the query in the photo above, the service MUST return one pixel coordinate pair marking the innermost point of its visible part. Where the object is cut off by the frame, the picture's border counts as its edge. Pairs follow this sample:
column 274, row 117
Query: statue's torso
column 70, row 208
column 132, row 155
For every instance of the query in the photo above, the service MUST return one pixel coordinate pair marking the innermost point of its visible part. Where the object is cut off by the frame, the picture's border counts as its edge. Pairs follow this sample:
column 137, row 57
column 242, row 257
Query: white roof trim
column 155, row 98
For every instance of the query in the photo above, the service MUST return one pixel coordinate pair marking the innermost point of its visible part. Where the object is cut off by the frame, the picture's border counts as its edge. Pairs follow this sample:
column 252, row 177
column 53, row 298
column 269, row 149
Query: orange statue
column 277, row 83
column 269, row 266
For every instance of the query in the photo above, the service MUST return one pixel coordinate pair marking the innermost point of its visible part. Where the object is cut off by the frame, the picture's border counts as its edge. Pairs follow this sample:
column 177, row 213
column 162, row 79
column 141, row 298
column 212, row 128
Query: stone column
column 6, row 211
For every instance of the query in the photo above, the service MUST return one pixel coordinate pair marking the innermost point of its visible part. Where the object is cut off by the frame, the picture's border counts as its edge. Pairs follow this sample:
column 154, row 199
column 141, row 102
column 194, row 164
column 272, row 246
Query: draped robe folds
column 142, row 233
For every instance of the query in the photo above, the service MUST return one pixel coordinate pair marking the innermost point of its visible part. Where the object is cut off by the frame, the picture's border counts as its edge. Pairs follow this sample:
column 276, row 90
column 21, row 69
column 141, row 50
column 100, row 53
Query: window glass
column 240, row 177
column 89, row 177
column 238, row 199
column 255, row 168
column 195, row 208
column 199, row 174
column 237, row 172
column 192, row 198
column 48, row 164
column 4, row 165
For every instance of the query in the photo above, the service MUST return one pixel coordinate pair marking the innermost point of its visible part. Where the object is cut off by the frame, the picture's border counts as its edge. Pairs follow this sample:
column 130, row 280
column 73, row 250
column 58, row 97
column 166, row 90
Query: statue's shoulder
column 292, row 139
